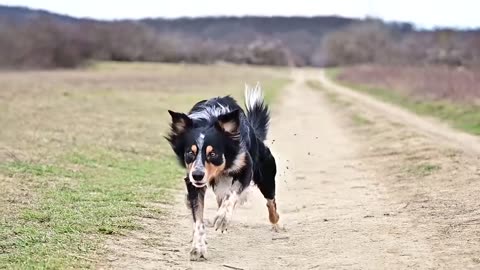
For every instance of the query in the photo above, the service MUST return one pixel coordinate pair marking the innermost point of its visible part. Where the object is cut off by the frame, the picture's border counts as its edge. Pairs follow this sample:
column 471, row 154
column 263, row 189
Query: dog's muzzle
column 197, row 175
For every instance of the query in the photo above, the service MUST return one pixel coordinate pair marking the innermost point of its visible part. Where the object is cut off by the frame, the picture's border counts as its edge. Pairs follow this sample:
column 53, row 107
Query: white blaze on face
column 200, row 140
column 197, row 164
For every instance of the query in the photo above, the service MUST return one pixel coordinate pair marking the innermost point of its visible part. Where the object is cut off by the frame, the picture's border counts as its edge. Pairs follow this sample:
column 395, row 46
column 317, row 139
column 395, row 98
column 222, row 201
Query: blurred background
column 50, row 34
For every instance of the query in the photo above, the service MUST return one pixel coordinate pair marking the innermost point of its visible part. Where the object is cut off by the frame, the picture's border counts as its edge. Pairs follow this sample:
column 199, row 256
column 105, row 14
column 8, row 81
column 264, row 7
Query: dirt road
column 374, row 193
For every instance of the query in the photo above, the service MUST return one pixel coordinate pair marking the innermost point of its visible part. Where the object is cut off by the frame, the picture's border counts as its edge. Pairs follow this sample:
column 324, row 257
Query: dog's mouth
column 198, row 184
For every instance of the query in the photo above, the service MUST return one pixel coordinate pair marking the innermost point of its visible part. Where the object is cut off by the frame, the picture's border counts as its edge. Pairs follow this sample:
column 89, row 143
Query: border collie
column 222, row 146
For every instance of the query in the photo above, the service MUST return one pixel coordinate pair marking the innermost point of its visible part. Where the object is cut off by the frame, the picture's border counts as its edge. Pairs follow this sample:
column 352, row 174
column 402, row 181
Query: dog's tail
column 257, row 111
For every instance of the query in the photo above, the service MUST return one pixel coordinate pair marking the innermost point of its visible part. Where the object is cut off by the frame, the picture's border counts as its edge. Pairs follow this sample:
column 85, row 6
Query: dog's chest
column 222, row 186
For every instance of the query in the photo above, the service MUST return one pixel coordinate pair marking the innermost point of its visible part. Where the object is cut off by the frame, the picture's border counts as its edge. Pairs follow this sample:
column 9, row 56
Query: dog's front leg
column 195, row 201
column 227, row 201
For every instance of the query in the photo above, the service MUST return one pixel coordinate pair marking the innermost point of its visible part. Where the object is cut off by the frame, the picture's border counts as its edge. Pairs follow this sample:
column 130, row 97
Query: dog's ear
column 230, row 123
column 180, row 122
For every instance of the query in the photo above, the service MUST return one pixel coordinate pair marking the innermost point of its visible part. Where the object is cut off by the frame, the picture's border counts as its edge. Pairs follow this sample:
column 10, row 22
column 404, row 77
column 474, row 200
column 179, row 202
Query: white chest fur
column 224, row 186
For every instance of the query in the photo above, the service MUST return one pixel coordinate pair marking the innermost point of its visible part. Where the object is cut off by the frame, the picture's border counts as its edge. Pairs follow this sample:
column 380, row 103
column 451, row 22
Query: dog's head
column 206, row 151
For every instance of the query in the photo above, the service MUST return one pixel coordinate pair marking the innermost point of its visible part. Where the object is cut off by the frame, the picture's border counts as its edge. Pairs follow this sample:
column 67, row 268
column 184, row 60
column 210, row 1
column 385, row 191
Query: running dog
column 222, row 146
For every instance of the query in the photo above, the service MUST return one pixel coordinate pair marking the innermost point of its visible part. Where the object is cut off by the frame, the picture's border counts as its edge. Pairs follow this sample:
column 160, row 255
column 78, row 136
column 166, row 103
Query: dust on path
column 337, row 206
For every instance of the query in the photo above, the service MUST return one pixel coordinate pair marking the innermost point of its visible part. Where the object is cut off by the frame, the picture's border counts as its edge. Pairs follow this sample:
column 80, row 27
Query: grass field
column 82, row 155
column 450, row 95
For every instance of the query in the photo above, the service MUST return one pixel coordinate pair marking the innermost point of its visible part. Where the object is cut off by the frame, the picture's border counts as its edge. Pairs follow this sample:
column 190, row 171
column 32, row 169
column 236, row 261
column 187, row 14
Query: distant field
column 82, row 154
column 451, row 94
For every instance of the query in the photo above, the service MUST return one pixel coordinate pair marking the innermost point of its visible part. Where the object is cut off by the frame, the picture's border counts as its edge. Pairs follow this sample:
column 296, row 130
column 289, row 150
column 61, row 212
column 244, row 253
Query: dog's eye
column 212, row 154
column 189, row 156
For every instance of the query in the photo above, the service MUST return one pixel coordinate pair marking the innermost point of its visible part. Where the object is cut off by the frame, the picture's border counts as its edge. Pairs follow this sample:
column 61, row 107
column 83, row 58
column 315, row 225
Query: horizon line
column 366, row 17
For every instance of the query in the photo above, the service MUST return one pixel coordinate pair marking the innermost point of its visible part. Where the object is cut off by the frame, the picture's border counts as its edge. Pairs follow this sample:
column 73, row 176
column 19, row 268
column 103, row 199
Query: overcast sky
column 424, row 13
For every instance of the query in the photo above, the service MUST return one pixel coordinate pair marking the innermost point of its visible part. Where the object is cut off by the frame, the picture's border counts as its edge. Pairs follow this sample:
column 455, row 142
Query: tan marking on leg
column 272, row 211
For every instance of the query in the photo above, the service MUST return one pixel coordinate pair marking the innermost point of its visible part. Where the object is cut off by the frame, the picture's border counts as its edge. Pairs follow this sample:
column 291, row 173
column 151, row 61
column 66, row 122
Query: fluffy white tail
column 253, row 96
column 257, row 111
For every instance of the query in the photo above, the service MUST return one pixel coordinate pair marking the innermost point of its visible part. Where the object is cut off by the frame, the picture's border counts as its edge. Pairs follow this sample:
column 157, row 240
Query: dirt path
column 340, row 202
column 430, row 127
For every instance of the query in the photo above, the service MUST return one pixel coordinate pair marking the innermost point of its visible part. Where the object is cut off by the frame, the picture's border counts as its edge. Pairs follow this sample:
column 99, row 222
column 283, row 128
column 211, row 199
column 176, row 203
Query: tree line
column 46, row 41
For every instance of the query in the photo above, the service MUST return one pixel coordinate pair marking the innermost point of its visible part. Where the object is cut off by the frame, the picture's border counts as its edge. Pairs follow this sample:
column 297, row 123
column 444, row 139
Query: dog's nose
column 198, row 175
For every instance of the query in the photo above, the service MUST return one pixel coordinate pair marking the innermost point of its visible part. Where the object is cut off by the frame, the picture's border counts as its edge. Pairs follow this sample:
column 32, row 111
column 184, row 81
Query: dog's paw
column 208, row 223
column 221, row 220
column 276, row 228
column 198, row 253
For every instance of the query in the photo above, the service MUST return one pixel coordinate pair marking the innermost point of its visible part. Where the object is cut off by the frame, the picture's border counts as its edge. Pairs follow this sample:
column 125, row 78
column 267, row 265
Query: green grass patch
column 315, row 85
column 360, row 120
column 465, row 117
column 424, row 169
column 88, row 195
column 273, row 88
column 38, row 170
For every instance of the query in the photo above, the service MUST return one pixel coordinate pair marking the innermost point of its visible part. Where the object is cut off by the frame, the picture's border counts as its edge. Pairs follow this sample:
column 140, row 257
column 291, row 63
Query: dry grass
column 431, row 82
column 82, row 153
column 447, row 93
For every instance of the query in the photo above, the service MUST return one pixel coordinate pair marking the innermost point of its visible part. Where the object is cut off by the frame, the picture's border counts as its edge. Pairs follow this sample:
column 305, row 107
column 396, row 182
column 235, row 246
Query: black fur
column 248, row 137
column 259, row 119
column 222, row 145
